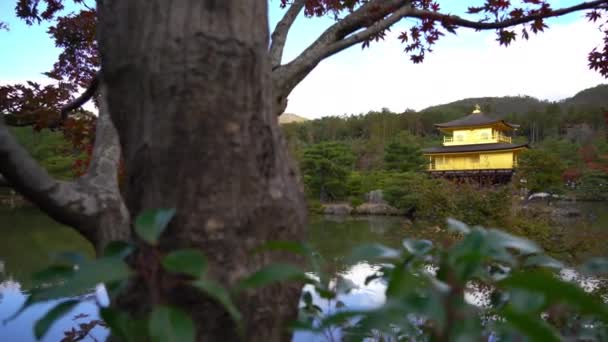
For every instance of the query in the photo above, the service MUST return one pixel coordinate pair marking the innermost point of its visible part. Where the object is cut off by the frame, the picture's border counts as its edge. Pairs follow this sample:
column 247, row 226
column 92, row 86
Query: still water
column 28, row 239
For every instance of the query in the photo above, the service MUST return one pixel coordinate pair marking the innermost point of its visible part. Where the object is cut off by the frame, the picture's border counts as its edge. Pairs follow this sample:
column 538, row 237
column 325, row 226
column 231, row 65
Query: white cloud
column 552, row 65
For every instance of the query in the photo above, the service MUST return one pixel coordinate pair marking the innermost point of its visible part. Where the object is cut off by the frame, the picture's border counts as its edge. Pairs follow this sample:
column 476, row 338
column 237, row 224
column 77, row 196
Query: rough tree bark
column 190, row 92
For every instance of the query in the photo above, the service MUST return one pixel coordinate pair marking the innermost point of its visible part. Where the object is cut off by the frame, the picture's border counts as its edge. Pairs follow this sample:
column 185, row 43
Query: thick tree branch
column 88, row 204
column 82, row 99
column 369, row 13
column 66, row 202
column 286, row 77
column 279, row 35
column 461, row 22
column 368, row 32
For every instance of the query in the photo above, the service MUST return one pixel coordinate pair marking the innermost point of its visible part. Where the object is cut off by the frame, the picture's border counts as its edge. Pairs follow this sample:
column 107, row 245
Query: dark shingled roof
column 473, row 148
column 475, row 119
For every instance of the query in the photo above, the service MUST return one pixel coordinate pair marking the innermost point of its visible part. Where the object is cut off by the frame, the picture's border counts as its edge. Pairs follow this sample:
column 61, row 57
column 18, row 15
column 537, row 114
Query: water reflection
column 361, row 297
column 20, row 328
column 27, row 242
column 28, row 238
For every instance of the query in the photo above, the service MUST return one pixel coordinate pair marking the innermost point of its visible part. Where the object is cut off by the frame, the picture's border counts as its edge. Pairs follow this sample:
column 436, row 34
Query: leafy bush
column 432, row 200
column 524, row 297
column 593, row 185
column 51, row 149
column 542, row 170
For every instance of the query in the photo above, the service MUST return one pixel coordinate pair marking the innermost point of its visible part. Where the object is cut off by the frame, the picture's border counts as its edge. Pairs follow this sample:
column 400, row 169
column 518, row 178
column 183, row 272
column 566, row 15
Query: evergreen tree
column 542, row 170
column 325, row 167
column 403, row 157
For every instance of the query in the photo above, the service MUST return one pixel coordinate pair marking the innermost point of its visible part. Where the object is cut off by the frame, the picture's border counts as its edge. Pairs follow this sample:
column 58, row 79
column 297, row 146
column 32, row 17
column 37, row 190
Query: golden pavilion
column 476, row 147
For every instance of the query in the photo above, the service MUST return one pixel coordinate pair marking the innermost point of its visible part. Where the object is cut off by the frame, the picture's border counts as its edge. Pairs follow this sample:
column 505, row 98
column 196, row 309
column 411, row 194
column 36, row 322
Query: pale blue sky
column 550, row 66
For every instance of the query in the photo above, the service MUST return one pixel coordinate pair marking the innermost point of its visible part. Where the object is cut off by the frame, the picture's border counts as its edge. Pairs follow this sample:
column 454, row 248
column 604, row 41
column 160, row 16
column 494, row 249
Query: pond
column 28, row 239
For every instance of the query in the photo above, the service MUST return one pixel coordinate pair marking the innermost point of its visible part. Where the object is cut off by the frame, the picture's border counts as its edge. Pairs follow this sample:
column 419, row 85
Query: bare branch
column 279, row 35
column 64, row 201
column 459, row 21
column 369, row 13
column 367, row 33
column 82, row 99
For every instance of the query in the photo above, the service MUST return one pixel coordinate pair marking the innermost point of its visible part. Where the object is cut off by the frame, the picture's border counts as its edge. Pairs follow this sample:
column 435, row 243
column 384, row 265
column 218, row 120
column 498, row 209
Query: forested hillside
column 596, row 97
column 341, row 156
column 592, row 97
column 499, row 106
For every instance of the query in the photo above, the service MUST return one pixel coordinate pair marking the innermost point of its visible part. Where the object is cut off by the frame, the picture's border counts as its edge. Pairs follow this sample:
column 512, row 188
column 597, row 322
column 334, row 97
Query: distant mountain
column 495, row 105
column 593, row 97
column 290, row 118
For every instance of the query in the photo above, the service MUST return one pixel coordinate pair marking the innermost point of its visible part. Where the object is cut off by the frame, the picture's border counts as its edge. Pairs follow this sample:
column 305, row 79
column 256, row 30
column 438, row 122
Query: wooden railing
column 501, row 138
column 495, row 138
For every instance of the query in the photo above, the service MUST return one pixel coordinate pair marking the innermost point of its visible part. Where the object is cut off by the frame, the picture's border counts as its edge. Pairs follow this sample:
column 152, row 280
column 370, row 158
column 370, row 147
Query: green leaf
column 44, row 324
column 524, row 301
column 69, row 258
column 87, row 276
column 273, row 273
column 418, row 247
column 373, row 252
column 504, row 240
column 118, row 249
column 221, row 295
column 457, row 226
column 124, row 326
column 52, row 274
column 115, row 320
column 541, row 260
column 151, row 223
column 556, row 290
column 531, row 325
column 168, row 324
column 104, row 270
column 187, row 261
column 402, row 281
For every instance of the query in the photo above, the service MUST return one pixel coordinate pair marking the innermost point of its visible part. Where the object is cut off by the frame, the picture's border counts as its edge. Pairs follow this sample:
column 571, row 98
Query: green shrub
column 593, row 186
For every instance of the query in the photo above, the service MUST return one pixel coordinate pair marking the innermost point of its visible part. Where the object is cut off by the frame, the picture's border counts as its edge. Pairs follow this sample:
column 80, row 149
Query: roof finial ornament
column 477, row 109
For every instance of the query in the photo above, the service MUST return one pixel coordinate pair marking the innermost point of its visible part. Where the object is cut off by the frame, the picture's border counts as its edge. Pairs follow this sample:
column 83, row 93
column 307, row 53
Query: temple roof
column 473, row 148
column 475, row 119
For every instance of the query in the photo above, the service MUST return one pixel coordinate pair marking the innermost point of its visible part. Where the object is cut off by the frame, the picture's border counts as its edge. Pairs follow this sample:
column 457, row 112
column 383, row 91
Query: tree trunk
column 190, row 92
